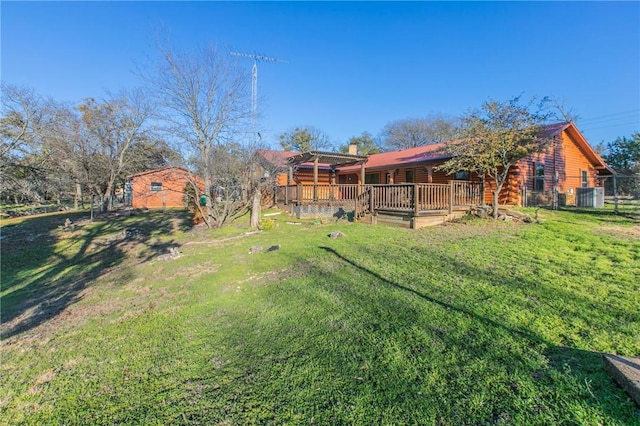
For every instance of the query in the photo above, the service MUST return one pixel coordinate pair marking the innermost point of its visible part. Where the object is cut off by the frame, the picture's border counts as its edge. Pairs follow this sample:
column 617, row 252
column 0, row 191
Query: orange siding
column 281, row 179
column 172, row 194
column 565, row 158
column 305, row 176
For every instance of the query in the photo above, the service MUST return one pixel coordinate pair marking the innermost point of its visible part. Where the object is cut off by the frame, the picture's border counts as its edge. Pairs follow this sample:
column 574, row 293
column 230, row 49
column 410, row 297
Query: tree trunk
column 77, row 195
column 208, row 213
column 495, row 203
column 256, row 209
column 106, row 199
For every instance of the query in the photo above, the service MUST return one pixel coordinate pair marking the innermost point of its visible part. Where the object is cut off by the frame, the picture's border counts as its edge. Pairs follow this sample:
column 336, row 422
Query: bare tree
column 24, row 118
column 414, row 132
column 115, row 125
column 204, row 102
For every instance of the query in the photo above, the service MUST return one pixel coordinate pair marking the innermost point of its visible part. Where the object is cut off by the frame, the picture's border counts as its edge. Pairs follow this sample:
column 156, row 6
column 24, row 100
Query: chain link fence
column 617, row 193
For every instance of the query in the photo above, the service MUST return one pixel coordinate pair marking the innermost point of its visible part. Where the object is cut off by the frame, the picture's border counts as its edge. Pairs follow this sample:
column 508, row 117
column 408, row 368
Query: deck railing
column 466, row 193
column 408, row 196
column 434, row 196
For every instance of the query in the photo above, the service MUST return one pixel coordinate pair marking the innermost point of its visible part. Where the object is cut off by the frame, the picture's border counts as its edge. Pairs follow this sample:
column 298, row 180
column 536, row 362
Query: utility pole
column 254, row 84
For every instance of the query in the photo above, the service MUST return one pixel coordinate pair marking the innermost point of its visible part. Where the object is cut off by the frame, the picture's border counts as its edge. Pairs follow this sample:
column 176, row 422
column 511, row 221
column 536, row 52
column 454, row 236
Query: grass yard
column 474, row 323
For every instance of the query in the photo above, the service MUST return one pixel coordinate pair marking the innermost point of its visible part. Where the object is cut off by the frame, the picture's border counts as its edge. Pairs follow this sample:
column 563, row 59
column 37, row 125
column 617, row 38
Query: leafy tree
column 494, row 137
column 303, row 139
column 623, row 155
column 414, row 132
column 152, row 153
column 365, row 143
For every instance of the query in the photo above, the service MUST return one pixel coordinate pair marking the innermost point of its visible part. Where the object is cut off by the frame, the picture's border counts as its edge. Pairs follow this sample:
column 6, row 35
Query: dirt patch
column 222, row 240
column 622, row 232
column 193, row 272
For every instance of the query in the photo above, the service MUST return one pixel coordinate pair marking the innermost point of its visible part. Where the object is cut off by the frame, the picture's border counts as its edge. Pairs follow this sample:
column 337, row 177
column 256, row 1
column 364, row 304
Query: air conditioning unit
column 590, row 197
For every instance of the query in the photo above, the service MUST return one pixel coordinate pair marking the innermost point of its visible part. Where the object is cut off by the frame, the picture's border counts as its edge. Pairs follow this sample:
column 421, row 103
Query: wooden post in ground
column 615, row 195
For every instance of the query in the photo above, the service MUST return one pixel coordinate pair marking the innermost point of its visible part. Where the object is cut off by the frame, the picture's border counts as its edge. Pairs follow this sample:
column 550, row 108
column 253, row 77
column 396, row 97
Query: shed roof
column 276, row 158
column 162, row 169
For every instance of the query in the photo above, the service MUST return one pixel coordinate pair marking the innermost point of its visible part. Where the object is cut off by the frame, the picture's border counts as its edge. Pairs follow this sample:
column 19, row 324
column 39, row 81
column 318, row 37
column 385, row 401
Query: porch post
column 290, row 176
column 362, row 174
column 429, row 174
column 416, row 204
column 451, row 196
column 315, row 179
column 392, row 176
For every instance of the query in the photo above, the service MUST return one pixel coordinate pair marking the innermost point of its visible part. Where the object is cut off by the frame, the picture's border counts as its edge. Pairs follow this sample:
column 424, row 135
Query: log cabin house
column 404, row 186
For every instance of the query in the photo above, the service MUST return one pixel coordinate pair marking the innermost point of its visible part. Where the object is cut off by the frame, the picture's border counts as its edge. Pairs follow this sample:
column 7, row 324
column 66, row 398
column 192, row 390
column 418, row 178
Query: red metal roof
column 436, row 152
column 405, row 156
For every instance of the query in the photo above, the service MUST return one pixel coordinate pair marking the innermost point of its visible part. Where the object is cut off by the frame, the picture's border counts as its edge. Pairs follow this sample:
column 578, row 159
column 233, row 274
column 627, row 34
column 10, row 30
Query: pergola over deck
column 332, row 159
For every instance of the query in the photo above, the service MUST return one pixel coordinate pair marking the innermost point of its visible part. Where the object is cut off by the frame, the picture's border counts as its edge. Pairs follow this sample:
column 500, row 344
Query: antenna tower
column 254, row 83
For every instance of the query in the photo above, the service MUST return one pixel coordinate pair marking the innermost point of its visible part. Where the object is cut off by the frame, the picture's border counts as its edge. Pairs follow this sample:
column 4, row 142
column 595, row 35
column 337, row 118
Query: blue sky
column 351, row 67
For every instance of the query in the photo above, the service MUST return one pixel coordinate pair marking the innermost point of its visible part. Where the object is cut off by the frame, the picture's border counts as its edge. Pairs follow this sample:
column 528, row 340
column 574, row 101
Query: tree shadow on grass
column 45, row 268
column 580, row 370
column 342, row 343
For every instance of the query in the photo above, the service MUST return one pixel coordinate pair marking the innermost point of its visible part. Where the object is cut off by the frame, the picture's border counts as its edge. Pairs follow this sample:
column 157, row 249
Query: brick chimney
column 353, row 148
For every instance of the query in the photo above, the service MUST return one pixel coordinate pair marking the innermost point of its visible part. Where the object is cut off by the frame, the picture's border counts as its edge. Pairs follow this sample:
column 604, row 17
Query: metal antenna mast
column 254, row 82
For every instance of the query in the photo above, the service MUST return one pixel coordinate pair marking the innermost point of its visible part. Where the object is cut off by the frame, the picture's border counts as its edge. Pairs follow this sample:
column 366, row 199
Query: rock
column 274, row 248
column 336, row 234
column 174, row 253
column 255, row 249
column 482, row 212
column 130, row 233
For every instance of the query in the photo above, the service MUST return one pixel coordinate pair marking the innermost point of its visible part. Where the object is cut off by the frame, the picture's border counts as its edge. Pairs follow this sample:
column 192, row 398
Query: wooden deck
column 409, row 200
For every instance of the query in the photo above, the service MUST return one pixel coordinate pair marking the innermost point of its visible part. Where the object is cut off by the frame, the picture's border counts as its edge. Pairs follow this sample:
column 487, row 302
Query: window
column 462, row 175
column 372, row 178
column 408, row 176
column 156, row 186
column 585, row 179
column 538, row 180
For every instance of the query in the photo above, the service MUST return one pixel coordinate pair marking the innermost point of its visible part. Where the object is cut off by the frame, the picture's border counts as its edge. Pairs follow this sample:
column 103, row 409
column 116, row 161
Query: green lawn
column 475, row 323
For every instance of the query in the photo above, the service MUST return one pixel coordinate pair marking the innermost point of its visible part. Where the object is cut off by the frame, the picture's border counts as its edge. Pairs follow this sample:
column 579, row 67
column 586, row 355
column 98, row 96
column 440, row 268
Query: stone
column 336, row 234
column 255, row 249
column 174, row 252
column 274, row 248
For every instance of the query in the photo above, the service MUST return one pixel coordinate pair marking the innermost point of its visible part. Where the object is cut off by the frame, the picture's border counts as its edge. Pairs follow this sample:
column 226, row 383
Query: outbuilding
column 160, row 188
